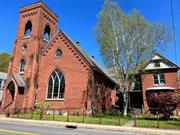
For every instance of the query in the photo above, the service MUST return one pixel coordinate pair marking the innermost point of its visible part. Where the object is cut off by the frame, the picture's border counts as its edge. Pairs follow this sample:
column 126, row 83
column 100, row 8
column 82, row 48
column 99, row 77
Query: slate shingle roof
column 18, row 79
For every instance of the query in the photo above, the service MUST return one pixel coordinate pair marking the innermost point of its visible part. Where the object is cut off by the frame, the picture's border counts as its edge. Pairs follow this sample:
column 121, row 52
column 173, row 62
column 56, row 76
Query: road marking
column 17, row 132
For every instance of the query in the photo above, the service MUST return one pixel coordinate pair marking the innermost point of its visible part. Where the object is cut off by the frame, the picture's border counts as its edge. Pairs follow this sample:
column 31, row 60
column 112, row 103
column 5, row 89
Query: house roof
column 86, row 57
column 3, row 75
column 158, row 56
column 168, row 61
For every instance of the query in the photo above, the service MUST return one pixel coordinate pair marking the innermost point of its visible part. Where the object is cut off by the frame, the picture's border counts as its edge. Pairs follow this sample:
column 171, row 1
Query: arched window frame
column 11, row 89
column 22, row 65
column 61, row 78
column 47, row 32
column 28, row 26
column 56, row 53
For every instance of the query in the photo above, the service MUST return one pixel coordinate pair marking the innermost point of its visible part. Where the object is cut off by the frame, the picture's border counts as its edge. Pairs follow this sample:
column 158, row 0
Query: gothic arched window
column 58, row 53
column 56, row 85
column 47, row 33
column 28, row 28
column 22, row 66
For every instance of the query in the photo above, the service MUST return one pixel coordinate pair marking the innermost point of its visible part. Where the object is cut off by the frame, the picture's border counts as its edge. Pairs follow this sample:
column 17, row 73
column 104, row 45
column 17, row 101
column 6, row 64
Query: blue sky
column 77, row 18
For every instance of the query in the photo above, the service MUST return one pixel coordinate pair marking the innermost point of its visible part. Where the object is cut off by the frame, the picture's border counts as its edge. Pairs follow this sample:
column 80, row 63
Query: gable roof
column 19, row 80
column 95, row 66
column 168, row 61
column 159, row 57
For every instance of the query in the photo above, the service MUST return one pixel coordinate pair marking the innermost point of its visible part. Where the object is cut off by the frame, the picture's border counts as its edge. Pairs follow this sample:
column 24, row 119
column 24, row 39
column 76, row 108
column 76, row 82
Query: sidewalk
column 130, row 123
column 152, row 131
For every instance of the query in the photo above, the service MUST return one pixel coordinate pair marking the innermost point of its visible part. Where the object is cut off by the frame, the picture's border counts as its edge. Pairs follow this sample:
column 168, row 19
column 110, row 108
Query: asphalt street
column 19, row 128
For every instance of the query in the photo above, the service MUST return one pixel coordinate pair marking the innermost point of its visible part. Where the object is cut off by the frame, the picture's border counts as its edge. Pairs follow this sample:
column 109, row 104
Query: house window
column 58, row 53
column 47, row 33
column 22, row 66
column 56, row 85
column 28, row 29
column 156, row 63
column 159, row 79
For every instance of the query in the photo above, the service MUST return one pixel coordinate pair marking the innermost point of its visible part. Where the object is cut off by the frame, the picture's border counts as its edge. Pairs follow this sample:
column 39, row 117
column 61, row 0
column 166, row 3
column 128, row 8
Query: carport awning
column 161, row 88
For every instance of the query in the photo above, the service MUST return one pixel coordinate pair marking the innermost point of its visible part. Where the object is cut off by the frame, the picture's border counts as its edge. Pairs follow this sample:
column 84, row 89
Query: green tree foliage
column 127, row 41
column 4, row 61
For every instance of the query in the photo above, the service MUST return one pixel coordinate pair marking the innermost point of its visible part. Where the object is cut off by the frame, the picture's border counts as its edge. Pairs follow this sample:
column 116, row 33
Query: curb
column 136, row 130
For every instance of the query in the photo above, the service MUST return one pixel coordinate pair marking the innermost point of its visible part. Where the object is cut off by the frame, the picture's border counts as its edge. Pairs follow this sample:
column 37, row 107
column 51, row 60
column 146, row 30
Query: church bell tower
column 37, row 24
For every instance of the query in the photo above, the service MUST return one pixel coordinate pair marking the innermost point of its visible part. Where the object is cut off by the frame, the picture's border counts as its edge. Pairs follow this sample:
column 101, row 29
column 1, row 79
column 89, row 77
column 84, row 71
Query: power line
column 173, row 27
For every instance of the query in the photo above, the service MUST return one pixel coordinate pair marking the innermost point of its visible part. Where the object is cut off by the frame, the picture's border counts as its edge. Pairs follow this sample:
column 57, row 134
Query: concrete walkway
column 130, row 123
column 151, row 131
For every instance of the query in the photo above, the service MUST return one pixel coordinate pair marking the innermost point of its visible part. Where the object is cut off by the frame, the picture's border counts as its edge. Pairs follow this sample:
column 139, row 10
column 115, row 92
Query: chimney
column 77, row 42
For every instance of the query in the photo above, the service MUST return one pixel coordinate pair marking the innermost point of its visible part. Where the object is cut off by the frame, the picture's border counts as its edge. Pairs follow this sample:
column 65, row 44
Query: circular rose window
column 24, row 47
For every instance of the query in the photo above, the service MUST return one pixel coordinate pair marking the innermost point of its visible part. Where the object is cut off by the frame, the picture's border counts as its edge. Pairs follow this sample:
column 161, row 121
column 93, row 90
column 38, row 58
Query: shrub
column 43, row 107
column 163, row 103
column 112, row 112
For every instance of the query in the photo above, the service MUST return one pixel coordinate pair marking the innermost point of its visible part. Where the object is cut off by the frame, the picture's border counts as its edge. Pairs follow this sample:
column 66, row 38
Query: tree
column 4, row 61
column 126, row 42
column 163, row 103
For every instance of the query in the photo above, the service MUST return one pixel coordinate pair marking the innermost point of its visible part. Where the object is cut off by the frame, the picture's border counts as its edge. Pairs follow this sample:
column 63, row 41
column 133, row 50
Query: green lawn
column 146, row 121
column 151, row 122
column 105, row 120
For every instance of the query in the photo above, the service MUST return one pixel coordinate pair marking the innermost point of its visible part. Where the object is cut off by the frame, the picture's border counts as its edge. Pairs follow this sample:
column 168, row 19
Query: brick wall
column 74, row 69
column 148, row 82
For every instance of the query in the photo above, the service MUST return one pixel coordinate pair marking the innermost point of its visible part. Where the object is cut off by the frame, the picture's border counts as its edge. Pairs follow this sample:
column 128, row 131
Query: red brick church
column 46, row 65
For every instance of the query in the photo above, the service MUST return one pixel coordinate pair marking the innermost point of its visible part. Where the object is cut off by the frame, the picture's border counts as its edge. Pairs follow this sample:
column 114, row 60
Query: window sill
column 45, row 40
column 57, row 57
column 26, row 37
column 21, row 73
column 156, row 85
column 62, row 99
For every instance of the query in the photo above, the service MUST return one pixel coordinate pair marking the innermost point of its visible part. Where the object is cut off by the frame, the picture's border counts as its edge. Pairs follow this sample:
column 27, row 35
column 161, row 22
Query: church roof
column 18, row 79
column 86, row 57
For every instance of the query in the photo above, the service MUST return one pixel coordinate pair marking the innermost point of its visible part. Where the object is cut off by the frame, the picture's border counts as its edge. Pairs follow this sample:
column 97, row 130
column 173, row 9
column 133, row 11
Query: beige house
column 3, row 77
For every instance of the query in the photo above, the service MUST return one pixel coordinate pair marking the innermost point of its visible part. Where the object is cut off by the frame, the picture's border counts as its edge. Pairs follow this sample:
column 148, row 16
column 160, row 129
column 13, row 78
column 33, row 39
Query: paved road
column 17, row 128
